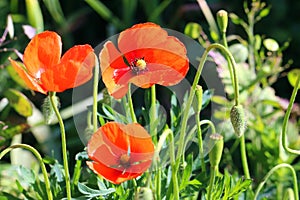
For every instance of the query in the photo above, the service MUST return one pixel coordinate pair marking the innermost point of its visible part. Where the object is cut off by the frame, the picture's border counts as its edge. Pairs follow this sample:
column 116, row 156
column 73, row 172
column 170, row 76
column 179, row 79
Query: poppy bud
column 197, row 105
column 222, row 19
column 144, row 193
column 238, row 120
column 216, row 152
column 48, row 110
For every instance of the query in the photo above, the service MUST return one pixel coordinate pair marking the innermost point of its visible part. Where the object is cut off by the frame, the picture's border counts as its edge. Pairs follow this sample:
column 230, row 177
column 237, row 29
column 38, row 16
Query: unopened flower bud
column 216, row 152
column 143, row 193
column 222, row 19
column 197, row 105
column 238, row 119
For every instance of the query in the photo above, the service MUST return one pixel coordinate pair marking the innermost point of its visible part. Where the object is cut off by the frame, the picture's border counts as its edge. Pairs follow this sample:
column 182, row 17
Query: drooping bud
column 238, row 120
column 216, row 152
column 222, row 19
column 143, row 193
column 197, row 105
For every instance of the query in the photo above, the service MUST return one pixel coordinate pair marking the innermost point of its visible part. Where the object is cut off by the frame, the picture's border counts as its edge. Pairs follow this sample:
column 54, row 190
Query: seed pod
column 238, row 120
column 144, row 193
column 216, row 152
column 222, row 19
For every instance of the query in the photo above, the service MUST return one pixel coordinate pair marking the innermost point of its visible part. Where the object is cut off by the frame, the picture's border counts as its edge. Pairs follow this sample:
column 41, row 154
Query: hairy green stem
column 153, row 114
column 76, row 175
column 200, row 142
column 39, row 158
column 286, row 119
column 95, row 95
column 130, row 104
column 227, row 59
column 168, row 133
column 192, row 93
column 63, row 144
column 272, row 171
column 244, row 157
column 213, row 172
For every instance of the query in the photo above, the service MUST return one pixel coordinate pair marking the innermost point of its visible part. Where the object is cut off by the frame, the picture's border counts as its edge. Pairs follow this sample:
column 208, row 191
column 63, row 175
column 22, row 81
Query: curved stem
column 244, row 157
column 130, row 104
column 192, row 93
column 200, row 141
column 214, row 171
column 272, row 171
column 63, row 145
column 95, row 95
column 39, row 158
column 286, row 119
column 227, row 59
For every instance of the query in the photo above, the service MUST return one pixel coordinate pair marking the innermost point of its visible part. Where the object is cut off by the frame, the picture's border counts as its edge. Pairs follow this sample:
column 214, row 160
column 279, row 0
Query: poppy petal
column 110, row 60
column 74, row 69
column 113, row 140
column 29, row 80
column 43, row 51
column 169, row 70
column 111, row 174
column 140, row 36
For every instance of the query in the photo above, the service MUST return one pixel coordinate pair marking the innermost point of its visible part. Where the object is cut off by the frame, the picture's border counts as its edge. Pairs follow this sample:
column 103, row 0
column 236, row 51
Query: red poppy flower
column 120, row 152
column 46, row 71
column 146, row 55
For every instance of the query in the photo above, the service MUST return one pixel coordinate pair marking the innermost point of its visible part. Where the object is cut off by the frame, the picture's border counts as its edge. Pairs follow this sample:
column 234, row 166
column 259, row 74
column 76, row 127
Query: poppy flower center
column 138, row 65
column 125, row 160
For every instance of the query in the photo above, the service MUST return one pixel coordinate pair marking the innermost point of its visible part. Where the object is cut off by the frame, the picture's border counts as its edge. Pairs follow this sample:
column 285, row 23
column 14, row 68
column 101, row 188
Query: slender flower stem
column 244, row 157
column 39, row 158
column 168, row 133
column 130, row 104
column 200, row 142
column 153, row 114
column 227, row 59
column 63, row 144
column 95, row 95
column 272, row 171
column 192, row 93
column 213, row 172
column 286, row 119
column 76, row 175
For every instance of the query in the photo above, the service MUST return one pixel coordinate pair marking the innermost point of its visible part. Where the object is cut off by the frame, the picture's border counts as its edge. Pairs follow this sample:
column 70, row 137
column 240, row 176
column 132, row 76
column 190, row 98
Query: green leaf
column 55, row 10
column 26, row 176
column 184, row 181
column 207, row 95
column 271, row 44
column 105, row 13
column 15, row 76
column 8, row 131
column 239, row 52
column 193, row 30
column 35, row 16
column 241, row 186
column 19, row 102
column 91, row 193
column 292, row 76
column 10, row 26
